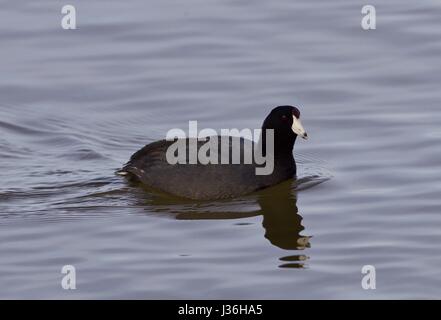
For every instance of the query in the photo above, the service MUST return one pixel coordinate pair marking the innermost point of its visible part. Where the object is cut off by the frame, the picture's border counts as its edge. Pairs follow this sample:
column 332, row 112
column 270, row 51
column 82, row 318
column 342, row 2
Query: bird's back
column 198, row 181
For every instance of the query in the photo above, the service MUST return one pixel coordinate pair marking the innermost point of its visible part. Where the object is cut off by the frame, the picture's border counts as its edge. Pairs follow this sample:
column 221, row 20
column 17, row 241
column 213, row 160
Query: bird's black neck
column 283, row 144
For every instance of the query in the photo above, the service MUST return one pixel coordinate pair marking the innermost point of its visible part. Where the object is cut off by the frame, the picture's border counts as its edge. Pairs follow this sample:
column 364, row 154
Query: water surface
column 75, row 104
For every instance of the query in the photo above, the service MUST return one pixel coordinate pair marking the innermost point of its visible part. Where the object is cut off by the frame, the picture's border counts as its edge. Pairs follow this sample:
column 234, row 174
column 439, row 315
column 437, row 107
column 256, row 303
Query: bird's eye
column 284, row 117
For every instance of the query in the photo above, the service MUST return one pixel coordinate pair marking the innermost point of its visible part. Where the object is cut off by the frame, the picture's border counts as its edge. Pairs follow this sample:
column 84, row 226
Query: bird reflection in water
column 277, row 205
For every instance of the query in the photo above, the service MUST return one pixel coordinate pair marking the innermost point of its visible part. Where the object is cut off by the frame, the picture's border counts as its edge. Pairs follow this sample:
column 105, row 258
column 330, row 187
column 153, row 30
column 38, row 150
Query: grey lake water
column 75, row 104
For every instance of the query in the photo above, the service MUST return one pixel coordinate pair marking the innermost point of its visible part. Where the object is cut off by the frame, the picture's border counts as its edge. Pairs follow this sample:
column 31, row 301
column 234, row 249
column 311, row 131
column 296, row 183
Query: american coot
column 217, row 181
